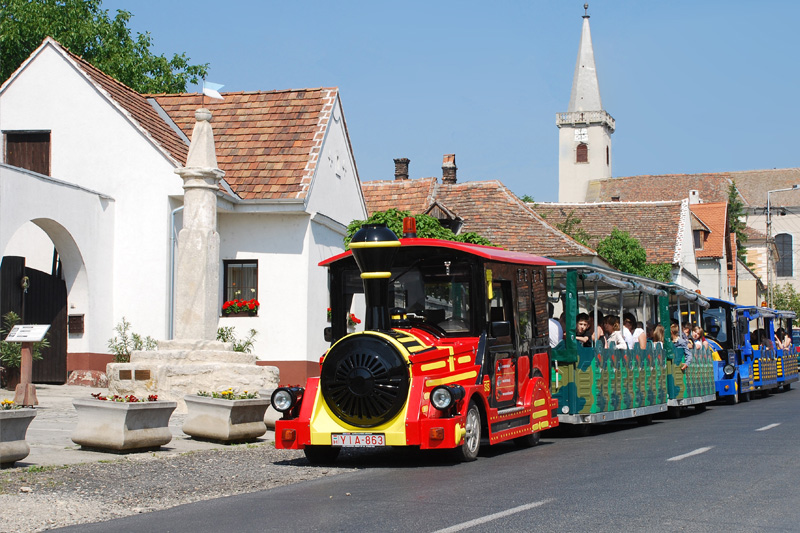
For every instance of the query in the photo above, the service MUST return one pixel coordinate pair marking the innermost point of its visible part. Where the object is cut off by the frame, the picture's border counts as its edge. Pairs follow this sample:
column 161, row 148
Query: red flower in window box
column 240, row 306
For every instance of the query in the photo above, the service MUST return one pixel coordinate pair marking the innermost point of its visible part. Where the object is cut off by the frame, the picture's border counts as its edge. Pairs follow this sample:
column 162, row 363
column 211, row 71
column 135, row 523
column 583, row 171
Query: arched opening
column 582, row 153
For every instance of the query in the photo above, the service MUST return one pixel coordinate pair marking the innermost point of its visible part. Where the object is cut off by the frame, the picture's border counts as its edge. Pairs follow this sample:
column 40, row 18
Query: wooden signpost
column 25, row 393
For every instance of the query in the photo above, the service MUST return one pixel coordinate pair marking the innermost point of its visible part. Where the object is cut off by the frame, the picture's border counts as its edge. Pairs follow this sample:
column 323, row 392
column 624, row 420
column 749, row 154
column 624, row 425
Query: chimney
column 449, row 169
column 401, row 169
column 694, row 197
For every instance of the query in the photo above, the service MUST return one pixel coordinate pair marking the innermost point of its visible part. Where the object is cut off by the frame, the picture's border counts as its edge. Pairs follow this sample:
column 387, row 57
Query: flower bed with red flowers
column 130, row 398
column 241, row 306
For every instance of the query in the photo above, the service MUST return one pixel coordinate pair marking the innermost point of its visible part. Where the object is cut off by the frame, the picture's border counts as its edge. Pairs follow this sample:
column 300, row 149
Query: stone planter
column 122, row 427
column 240, row 313
column 13, row 426
column 225, row 420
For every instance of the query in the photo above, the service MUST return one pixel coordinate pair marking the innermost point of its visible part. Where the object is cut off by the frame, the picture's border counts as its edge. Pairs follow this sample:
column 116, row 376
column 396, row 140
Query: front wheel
column 322, row 455
column 472, row 439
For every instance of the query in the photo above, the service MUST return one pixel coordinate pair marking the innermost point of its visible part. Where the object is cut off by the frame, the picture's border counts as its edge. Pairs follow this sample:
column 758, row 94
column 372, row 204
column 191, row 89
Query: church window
column 241, row 279
column 29, row 150
column 582, row 153
column 783, row 242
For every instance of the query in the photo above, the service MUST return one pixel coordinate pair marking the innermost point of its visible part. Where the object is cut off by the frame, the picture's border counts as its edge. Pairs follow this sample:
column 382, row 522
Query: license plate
column 358, row 440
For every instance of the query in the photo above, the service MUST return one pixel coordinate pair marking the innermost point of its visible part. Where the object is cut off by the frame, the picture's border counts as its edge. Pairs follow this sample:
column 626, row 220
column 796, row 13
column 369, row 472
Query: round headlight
column 442, row 397
column 282, row 400
column 728, row 370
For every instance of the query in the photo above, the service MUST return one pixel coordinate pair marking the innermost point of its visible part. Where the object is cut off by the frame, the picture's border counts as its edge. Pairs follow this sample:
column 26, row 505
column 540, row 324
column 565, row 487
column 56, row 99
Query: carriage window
column 715, row 324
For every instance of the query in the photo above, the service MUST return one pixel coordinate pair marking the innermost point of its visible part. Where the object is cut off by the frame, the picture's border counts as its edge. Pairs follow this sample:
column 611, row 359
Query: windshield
column 715, row 324
column 435, row 293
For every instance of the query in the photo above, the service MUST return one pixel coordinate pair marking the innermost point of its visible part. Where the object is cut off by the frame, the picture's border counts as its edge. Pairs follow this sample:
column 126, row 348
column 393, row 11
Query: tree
column 736, row 215
column 572, row 227
column 626, row 254
column 86, row 30
column 786, row 298
column 428, row 227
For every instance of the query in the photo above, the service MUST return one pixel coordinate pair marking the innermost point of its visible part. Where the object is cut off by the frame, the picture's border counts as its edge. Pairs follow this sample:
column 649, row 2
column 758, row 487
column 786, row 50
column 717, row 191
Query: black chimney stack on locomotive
column 374, row 247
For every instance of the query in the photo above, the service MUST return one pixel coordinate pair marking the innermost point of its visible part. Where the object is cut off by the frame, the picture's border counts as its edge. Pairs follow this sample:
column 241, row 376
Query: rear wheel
column 645, row 420
column 472, row 439
column 528, row 441
column 699, row 408
column 788, row 386
column 322, row 455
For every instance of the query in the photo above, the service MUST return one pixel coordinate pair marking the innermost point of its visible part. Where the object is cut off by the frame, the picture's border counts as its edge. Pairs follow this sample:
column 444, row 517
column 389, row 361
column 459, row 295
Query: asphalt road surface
column 730, row 468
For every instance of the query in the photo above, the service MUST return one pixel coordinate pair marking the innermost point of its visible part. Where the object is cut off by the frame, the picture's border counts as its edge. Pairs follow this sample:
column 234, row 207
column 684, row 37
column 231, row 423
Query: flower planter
column 122, row 426
column 240, row 313
column 13, row 426
column 224, row 420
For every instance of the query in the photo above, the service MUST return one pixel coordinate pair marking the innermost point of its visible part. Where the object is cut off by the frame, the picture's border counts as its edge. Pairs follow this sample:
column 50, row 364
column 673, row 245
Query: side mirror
column 328, row 334
column 501, row 329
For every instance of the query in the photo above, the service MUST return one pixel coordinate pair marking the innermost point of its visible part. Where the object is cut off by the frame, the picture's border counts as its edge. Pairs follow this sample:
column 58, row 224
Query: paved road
column 732, row 468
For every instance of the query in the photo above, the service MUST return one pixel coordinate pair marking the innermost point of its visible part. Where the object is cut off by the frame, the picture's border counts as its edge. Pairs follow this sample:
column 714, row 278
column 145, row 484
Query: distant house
column 487, row 208
column 88, row 171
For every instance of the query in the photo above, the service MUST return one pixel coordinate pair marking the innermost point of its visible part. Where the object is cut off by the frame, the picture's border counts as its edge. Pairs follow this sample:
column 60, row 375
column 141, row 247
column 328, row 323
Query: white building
column 99, row 187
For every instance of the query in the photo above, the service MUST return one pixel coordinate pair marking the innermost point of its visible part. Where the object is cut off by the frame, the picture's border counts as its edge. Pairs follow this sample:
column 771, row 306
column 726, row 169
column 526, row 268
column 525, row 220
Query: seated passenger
column 782, row 340
column 658, row 336
column 614, row 338
column 680, row 342
column 632, row 332
column 556, row 331
column 699, row 338
column 582, row 332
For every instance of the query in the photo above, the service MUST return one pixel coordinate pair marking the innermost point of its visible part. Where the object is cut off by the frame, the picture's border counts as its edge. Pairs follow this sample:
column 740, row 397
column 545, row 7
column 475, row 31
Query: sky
column 693, row 86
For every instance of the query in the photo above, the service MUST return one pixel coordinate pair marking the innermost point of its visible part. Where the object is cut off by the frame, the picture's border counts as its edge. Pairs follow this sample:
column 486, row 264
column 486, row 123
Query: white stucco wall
column 32, row 243
column 94, row 145
column 789, row 223
column 336, row 189
column 573, row 177
column 80, row 224
column 711, row 278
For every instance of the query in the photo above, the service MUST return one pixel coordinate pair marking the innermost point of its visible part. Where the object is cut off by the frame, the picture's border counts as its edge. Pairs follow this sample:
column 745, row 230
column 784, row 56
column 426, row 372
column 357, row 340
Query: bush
column 125, row 342
column 227, row 334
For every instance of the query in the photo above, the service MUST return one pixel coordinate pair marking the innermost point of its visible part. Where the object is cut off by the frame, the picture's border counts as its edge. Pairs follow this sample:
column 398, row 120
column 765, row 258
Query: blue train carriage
column 593, row 382
column 690, row 370
column 759, row 339
column 724, row 325
column 787, row 366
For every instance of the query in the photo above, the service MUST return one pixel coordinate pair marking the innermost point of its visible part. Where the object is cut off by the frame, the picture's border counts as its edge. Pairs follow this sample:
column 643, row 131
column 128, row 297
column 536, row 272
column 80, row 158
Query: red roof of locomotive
column 486, row 252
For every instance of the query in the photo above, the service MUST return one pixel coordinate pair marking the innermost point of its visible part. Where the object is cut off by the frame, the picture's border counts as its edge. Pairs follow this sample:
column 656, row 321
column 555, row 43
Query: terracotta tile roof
column 654, row 224
column 754, row 184
column 754, row 234
column 138, row 107
column 715, row 218
column 267, row 143
column 712, row 187
column 407, row 195
column 489, row 209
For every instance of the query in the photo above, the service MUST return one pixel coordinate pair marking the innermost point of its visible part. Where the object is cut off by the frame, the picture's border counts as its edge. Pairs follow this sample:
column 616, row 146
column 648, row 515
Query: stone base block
column 225, row 420
column 88, row 378
column 172, row 381
column 13, row 427
column 122, row 427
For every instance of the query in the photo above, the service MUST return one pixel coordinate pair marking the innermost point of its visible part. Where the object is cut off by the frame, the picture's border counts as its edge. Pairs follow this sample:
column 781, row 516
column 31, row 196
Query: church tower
column 584, row 131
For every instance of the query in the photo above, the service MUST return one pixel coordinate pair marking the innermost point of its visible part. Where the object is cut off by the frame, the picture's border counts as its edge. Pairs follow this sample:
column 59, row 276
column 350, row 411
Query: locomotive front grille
column 364, row 380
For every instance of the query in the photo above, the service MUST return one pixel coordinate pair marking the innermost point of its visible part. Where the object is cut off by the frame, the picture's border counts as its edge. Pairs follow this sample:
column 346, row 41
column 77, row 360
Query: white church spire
column 585, row 94
column 584, row 136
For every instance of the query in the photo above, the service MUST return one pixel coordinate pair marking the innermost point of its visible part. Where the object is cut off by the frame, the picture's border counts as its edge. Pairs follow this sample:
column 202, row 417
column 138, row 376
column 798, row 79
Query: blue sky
column 693, row 86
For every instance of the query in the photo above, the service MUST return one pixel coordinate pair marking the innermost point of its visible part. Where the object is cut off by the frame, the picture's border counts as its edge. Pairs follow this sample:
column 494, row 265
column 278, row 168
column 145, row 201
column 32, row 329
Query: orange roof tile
column 712, row 187
column 653, row 224
column 715, row 217
column 267, row 143
column 407, row 195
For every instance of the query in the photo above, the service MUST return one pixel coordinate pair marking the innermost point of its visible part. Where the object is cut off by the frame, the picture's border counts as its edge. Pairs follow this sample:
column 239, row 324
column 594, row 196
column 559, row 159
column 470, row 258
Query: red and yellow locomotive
column 454, row 349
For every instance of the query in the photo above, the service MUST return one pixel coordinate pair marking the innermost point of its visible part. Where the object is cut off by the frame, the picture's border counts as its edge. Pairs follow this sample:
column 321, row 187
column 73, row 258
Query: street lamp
column 769, row 237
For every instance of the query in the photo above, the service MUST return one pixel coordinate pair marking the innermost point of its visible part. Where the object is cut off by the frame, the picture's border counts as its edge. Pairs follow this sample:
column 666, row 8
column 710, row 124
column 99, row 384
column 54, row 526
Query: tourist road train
column 455, row 350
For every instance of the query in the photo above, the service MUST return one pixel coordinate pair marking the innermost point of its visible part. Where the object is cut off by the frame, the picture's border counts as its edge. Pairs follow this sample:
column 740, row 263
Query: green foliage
column 527, row 198
column 126, row 341
column 11, row 352
column 572, row 227
column 227, row 334
column 786, row 298
column 87, row 30
column 736, row 215
column 428, row 227
column 626, row 254
column 229, row 394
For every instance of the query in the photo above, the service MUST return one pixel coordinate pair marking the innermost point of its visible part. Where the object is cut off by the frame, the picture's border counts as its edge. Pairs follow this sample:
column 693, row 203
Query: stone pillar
column 197, row 276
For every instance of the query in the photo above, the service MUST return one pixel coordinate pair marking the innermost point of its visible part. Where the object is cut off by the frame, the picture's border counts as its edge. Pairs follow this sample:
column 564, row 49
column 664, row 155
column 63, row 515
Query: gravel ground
column 42, row 498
